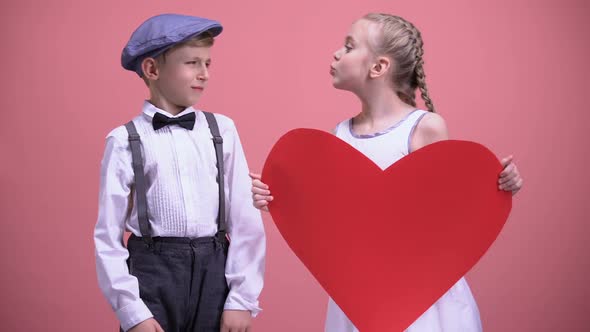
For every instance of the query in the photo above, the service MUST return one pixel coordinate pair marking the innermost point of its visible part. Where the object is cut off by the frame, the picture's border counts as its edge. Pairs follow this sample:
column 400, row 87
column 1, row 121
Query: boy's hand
column 510, row 179
column 236, row 321
column 148, row 325
column 260, row 193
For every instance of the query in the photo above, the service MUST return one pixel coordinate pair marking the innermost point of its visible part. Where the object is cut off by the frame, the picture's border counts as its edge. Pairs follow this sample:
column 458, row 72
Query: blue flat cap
column 161, row 32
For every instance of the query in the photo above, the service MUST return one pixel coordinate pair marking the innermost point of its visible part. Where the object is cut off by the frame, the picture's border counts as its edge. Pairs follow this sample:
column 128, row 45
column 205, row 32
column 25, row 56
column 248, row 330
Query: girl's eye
column 348, row 48
column 191, row 62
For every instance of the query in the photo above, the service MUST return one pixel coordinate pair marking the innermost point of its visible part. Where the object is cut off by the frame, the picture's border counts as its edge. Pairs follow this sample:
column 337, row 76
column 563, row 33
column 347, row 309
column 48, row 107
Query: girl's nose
column 337, row 55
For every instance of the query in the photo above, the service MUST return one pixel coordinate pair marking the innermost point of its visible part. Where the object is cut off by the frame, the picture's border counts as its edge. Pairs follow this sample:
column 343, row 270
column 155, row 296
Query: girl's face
column 352, row 62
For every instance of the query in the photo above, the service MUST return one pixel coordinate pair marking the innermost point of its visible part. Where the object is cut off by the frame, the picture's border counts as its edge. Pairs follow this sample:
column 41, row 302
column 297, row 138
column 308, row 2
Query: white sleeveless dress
column 456, row 310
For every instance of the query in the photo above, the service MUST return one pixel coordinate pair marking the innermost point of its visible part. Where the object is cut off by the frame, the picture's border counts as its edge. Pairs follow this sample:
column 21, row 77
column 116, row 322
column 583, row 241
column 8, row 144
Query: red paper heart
column 385, row 244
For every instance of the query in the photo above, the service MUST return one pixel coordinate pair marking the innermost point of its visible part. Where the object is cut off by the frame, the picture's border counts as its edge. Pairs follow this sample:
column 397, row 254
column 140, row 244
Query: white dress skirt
column 456, row 310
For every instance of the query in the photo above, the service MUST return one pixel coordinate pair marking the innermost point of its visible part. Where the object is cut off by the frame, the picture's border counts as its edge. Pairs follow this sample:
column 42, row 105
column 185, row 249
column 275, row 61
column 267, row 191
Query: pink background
column 511, row 75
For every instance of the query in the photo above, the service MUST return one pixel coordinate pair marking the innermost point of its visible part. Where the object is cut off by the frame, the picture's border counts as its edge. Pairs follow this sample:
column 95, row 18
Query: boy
column 169, row 177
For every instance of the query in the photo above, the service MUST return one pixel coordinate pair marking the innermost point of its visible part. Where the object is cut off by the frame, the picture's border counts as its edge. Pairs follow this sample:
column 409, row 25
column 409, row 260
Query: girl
column 381, row 62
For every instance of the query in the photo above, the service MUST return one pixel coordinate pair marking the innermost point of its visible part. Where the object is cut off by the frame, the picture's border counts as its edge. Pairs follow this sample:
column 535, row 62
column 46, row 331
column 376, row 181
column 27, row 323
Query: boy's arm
column 119, row 287
column 244, row 269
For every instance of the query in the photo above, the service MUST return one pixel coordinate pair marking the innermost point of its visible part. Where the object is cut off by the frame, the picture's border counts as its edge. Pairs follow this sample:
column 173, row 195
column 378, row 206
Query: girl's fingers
column 513, row 176
column 256, row 190
column 507, row 161
column 508, row 169
column 259, row 184
column 257, row 197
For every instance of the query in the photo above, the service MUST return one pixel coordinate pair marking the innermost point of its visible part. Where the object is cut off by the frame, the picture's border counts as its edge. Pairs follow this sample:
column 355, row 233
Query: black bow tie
column 186, row 121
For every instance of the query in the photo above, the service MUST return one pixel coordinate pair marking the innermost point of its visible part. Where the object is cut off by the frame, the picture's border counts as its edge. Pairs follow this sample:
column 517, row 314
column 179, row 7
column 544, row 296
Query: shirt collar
column 150, row 110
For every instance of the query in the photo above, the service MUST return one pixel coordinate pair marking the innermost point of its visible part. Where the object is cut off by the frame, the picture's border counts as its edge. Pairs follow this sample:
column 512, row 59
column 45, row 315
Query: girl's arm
column 432, row 128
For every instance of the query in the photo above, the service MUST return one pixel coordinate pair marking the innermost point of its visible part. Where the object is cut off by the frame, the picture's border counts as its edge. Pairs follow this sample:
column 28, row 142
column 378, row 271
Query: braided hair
column 402, row 42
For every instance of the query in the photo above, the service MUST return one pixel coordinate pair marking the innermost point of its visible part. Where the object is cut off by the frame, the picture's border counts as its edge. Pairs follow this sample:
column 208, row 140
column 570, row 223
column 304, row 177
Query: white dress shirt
column 183, row 201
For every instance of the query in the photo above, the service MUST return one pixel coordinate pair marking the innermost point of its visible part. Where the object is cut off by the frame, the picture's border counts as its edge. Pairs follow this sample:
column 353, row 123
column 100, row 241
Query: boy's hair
column 204, row 39
column 402, row 42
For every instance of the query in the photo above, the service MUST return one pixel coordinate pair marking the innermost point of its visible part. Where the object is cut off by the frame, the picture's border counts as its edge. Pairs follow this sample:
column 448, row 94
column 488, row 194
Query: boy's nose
column 203, row 75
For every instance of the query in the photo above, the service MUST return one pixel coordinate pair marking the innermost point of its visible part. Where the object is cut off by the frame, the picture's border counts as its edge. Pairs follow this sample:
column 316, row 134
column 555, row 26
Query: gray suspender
column 140, row 189
column 140, row 184
column 218, row 143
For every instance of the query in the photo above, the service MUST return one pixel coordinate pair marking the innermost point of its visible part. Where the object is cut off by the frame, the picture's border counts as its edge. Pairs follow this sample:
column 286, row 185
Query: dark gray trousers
column 181, row 280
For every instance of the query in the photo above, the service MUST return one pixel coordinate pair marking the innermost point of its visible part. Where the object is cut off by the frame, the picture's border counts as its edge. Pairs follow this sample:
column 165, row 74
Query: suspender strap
column 218, row 143
column 140, row 184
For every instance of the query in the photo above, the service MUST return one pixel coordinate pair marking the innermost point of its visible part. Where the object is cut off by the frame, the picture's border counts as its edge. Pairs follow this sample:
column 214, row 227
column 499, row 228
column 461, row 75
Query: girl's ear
column 380, row 67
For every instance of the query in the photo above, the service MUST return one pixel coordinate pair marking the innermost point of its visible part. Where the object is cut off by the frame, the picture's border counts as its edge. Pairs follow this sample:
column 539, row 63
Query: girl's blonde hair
column 402, row 42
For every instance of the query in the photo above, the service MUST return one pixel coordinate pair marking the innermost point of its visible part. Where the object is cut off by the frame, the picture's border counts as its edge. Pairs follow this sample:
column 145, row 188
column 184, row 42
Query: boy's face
column 183, row 75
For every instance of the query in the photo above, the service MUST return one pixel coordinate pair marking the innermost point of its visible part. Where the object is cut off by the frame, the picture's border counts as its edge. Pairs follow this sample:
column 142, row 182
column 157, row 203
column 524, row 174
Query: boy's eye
column 348, row 48
column 191, row 63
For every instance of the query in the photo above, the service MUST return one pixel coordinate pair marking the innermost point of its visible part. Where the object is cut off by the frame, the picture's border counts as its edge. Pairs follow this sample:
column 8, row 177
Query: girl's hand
column 509, row 178
column 260, row 193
